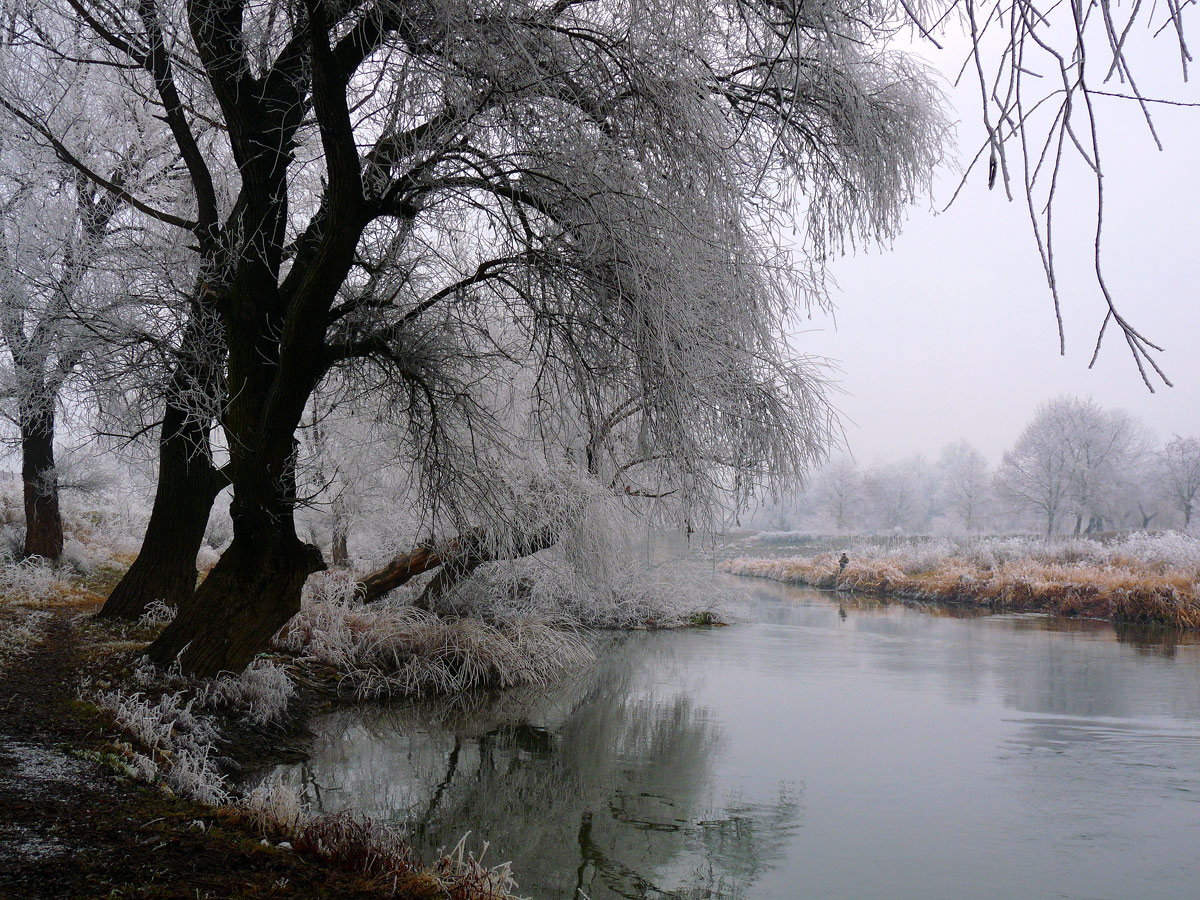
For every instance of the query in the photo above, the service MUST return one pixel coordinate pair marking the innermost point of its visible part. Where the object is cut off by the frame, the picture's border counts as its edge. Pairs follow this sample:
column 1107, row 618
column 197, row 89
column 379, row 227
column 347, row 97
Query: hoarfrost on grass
column 1143, row 578
column 394, row 648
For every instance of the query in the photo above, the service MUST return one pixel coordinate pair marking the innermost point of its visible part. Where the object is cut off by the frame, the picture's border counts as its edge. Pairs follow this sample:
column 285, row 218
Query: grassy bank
column 93, row 737
column 113, row 779
column 1143, row 578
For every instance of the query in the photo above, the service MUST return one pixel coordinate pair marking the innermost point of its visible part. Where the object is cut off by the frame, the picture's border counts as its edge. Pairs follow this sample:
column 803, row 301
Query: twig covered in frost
column 157, row 613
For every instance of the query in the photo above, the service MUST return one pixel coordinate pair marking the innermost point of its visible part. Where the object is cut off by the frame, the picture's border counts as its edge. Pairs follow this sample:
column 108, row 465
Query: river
column 815, row 752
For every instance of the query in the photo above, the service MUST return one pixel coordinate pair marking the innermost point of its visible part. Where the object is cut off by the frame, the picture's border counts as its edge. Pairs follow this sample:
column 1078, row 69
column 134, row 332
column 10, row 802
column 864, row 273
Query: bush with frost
column 395, row 649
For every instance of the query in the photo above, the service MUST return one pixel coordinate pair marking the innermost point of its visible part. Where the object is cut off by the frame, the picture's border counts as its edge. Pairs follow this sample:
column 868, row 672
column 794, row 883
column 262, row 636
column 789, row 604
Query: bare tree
column 1179, row 474
column 838, row 490
column 1036, row 473
column 965, row 484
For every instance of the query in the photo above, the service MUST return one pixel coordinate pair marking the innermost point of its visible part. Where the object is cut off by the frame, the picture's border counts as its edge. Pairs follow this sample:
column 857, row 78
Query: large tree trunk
column 165, row 568
column 43, row 522
column 256, row 585
column 248, row 596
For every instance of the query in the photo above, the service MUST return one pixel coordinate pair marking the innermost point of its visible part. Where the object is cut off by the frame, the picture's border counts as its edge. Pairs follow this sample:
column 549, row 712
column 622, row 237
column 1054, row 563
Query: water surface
column 883, row 753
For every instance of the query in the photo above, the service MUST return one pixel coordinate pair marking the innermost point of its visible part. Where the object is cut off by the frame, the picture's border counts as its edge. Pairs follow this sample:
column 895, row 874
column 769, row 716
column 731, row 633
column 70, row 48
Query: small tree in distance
column 1179, row 474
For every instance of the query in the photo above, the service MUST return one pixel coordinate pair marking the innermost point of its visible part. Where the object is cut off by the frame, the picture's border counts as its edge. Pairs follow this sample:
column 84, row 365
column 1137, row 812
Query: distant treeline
column 1076, row 468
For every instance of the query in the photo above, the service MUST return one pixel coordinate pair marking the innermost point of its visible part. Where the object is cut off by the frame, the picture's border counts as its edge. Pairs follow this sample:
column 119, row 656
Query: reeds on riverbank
column 395, row 649
column 1148, row 579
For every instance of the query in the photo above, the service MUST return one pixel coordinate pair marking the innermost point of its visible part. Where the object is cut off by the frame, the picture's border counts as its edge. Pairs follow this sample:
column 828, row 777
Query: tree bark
column 407, row 566
column 165, row 568
column 252, row 591
column 43, row 521
column 255, row 587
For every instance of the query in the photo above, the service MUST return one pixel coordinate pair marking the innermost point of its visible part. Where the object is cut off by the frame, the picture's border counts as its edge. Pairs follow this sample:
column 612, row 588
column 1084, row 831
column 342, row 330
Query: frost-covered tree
column 893, row 496
column 1104, row 449
column 419, row 197
column 54, row 226
column 965, row 484
column 838, row 492
column 1035, row 474
column 1075, row 458
column 1178, row 471
column 603, row 180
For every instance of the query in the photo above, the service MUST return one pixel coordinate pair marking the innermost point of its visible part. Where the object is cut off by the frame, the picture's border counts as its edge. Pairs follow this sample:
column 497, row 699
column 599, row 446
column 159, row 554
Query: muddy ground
column 71, row 827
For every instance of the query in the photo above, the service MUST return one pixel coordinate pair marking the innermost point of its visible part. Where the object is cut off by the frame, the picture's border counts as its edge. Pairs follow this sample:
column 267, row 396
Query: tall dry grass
column 1149, row 579
column 395, row 649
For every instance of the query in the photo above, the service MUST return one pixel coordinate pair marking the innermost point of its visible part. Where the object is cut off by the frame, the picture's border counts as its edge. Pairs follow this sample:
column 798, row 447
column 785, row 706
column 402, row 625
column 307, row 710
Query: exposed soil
column 70, row 827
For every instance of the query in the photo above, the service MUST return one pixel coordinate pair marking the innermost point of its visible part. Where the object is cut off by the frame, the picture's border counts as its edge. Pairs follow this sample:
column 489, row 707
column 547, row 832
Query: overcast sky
column 951, row 333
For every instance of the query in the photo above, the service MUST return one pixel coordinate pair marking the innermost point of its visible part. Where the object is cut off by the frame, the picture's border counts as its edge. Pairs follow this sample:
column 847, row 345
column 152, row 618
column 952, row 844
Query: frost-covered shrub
column 260, row 694
column 394, row 648
column 181, row 741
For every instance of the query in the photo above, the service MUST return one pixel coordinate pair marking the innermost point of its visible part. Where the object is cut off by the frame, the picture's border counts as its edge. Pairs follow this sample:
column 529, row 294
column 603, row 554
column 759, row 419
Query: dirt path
column 72, row 828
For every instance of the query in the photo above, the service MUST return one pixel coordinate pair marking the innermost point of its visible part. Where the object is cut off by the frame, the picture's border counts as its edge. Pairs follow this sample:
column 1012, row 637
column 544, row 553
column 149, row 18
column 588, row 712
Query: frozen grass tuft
column 274, row 807
column 31, row 582
column 260, row 694
column 395, row 649
column 180, row 741
column 157, row 613
column 1144, row 578
column 20, row 632
column 461, row 875
column 178, row 729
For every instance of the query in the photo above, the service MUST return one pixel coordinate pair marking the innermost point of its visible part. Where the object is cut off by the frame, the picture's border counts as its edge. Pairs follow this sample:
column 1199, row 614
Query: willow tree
column 604, row 172
column 605, row 181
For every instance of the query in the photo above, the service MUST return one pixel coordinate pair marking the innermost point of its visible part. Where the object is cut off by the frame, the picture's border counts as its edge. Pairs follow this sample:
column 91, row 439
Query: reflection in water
column 835, row 748
column 600, row 788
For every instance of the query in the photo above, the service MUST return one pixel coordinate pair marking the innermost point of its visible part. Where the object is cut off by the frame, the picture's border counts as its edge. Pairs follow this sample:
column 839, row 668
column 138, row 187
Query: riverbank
column 112, row 778
column 1143, row 578
column 116, row 776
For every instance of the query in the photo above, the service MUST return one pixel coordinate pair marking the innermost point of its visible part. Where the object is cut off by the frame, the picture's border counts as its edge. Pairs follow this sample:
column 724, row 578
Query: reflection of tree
column 1154, row 640
column 604, row 785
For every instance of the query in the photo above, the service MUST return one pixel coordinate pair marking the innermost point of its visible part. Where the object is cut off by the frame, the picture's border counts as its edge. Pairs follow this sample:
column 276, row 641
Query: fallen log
column 457, row 557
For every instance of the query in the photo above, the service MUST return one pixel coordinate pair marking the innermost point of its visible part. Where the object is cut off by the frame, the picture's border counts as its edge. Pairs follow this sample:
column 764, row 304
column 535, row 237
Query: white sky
column 951, row 333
